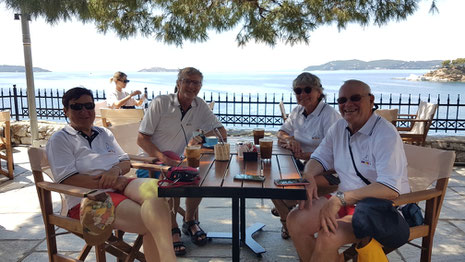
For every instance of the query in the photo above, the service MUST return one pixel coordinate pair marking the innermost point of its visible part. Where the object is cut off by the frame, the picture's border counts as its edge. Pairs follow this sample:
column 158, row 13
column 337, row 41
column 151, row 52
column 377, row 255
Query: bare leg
column 173, row 206
column 192, row 205
column 154, row 214
column 327, row 245
column 302, row 225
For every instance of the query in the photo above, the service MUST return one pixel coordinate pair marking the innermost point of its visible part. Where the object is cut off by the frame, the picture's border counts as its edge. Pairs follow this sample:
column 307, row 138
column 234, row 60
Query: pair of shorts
column 117, row 198
column 344, row 211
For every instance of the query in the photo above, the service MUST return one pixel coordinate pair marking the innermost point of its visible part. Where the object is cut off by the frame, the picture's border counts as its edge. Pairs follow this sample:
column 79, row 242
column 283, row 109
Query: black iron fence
column 247, row 109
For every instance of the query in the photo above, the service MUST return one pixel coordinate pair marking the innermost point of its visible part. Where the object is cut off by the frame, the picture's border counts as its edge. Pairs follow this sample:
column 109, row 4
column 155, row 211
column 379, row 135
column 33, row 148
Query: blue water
column 382, row 82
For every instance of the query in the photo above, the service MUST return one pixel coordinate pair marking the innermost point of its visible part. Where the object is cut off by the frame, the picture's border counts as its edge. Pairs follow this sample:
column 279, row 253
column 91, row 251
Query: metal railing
column 247, row 109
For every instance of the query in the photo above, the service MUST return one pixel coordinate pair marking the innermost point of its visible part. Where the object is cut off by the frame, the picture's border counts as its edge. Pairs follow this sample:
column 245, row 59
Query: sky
column 76, row 47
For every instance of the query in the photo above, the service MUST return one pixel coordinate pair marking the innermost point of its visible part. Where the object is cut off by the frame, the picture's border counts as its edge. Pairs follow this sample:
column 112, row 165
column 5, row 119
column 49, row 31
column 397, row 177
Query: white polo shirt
column 169, row 130
column 378, row 153
column 311, row 129
column 116, row 95
column 69, row 153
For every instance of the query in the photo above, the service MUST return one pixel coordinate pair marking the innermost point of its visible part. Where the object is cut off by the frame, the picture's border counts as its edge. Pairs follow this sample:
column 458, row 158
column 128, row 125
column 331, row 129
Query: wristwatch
column 341, row 197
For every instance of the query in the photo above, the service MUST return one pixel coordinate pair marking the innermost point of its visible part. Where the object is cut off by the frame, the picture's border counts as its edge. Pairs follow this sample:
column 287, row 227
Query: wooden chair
column 211, row 105
column 419, row 124
column 114, row 245
column 98, row 115
column 5, row 145
column 388, row 114
column 283, row 111
column 116, row 117
column 428, row 173
column 126, row 136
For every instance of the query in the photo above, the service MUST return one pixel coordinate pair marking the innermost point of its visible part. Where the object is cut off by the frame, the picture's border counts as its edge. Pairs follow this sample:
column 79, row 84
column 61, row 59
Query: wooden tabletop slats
column 287, row 168
column 234, row 168
column 271, row 172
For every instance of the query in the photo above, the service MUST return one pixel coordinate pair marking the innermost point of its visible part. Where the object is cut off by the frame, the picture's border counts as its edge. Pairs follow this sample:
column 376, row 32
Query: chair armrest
column 94, row 194
column 415, row 197
column 150, row 167
column 146, row 159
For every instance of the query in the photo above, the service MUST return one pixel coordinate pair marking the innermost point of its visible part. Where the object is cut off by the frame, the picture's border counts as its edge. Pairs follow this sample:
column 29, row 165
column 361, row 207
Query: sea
column 384, row 83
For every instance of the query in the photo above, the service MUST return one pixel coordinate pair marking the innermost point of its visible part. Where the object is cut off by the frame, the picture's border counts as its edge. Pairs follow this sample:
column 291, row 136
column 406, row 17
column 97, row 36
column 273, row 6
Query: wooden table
column 217, row 180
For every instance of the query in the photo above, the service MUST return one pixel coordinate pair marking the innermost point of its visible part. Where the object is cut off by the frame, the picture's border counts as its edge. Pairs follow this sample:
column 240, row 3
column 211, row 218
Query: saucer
column 208, row 146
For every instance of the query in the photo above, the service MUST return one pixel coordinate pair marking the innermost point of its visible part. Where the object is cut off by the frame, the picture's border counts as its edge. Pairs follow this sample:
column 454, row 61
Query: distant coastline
column 375, row 65
column 158, row 69
column 19, row 69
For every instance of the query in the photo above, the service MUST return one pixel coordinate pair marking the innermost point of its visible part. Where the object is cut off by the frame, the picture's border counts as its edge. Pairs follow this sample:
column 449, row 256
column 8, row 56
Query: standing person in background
column 169, row 125
column 122, row 99
column 304, row 130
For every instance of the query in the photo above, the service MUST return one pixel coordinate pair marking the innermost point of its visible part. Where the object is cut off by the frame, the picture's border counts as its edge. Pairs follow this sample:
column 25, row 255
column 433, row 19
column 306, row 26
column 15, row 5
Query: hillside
column 158, row 69
column 376, row 64
column 12, row 68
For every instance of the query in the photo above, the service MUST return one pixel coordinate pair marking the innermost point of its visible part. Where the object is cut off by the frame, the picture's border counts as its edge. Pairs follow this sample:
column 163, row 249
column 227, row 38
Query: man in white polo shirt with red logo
column 368, row 155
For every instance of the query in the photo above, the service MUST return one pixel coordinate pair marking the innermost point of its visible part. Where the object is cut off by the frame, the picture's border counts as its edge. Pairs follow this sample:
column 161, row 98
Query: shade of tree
column 176, row 21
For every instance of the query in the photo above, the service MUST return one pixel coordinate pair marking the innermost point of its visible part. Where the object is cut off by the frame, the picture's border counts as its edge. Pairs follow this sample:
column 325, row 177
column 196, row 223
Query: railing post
column 15, row 99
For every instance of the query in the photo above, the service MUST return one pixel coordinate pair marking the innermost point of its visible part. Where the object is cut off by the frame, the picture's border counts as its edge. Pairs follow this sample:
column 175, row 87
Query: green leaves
column 177, row 21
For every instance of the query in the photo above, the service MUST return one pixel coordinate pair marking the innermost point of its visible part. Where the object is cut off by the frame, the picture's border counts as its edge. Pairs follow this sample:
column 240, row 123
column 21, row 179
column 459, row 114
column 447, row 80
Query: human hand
column 137, row 92
column 196, row 140
column 108, row 178
column 328, row 215
column 294, row 145
column 121, row 183
column 312, row 193
column 169, row 161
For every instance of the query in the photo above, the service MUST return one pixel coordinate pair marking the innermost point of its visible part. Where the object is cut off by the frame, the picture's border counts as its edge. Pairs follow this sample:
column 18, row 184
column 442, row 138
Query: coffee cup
column 222, row 152
column 211, row 140
column 257, row 134
column 266, row 147
column 193, row 156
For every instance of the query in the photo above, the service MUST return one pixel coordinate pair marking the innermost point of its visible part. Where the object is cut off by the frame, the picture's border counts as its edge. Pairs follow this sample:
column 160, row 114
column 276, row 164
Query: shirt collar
column 175, row 101
column 317, row 111
column 70, row 130
column 367, row 128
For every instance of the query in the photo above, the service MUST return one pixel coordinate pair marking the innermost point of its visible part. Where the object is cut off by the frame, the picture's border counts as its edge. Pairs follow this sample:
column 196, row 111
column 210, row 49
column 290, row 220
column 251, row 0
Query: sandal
column 199, row 238
column 179, row 247
column 284, row 232
column 274, row 211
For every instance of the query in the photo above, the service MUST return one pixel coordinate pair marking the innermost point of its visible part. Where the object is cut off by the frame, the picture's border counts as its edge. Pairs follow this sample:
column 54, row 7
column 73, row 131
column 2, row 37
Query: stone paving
column 22, row 236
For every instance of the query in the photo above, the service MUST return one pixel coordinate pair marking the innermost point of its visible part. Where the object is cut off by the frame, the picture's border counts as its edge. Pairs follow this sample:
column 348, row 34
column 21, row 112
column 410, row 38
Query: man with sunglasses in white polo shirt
column 367, row 153
column 169, row 125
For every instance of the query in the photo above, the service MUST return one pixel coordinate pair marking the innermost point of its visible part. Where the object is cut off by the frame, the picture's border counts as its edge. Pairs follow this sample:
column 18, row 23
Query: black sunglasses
column 299, row 90
column 78, row 106
column 353, row 98
column 124, row 81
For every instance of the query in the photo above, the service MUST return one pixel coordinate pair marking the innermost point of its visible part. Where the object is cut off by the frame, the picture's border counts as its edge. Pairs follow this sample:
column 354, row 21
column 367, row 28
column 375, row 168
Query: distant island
column 158, row 69
column 375, row 65
column 450, row 71
column 19, row 69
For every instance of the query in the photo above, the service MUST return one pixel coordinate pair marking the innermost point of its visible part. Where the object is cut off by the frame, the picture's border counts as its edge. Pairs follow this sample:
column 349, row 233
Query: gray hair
column 188, row 71
column 118, row 76
column 362, row 84
column 311, row 80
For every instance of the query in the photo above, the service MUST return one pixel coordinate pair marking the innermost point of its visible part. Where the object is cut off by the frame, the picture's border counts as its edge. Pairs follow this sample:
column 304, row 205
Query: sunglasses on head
column 353, row 98
column 299, row 90
column 124, row 81
column 79, row 106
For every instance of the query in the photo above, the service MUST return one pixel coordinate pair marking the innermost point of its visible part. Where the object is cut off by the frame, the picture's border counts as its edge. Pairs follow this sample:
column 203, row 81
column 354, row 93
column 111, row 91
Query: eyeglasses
column 299, row 90
column 353, row 98
column 124, row 81
column 188, row 82
column 79, row 106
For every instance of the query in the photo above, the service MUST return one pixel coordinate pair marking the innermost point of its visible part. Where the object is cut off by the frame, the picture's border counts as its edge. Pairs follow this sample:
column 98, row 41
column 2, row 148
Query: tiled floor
column 22, row 237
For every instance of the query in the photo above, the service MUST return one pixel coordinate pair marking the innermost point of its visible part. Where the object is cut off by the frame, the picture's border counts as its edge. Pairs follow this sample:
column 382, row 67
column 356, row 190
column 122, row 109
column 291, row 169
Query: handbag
column 180, row 176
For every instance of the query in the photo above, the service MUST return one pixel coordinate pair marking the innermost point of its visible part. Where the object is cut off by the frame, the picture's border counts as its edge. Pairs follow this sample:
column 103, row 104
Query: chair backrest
column 39, row 165
column 283, row 111
column 388, row 114
column 5, row 144
column 120, row 116
column 126, row 136
column 425, row 111
column 427, row 165
column 211, row 105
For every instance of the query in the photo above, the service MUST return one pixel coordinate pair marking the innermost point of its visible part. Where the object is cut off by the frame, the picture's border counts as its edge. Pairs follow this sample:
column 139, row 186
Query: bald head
column 355, row 103
column 353, row 82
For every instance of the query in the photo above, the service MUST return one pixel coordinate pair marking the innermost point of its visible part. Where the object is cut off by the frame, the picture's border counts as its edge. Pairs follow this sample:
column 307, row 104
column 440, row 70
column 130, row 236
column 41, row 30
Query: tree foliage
column 175, row 21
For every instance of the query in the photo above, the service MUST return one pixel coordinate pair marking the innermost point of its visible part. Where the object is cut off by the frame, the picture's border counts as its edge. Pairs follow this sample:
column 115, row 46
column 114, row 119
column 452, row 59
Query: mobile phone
column 291, row 182
column 249, row 177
